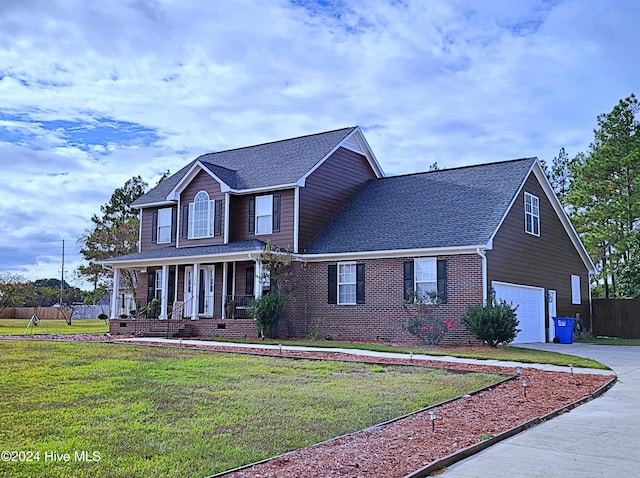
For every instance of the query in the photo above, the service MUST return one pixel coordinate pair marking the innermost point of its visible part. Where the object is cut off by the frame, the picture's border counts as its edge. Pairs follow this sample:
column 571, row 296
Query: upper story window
column 202, row 217
column 531, row 214
column 264, row 214
column 164, row 225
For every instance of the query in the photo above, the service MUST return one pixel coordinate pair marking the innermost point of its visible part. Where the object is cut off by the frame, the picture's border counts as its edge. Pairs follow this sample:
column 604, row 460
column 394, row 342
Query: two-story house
column 361, row 241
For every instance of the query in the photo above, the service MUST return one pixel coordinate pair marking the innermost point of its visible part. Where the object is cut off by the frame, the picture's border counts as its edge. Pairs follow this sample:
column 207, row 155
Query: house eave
column 394, row 253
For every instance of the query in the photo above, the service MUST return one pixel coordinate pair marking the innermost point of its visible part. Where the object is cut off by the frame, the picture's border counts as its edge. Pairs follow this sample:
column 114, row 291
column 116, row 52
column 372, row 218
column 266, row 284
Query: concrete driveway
column 598, row 439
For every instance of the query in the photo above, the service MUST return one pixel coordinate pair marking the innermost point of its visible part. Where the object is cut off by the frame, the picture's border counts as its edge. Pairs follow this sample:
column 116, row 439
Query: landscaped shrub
column 153, row 309
column 424, row 321
column 319, row 336
column 267, row 311
column 494, row 323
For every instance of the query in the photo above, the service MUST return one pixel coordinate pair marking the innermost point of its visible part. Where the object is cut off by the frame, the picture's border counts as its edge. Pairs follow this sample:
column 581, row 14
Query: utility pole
column 62, row 275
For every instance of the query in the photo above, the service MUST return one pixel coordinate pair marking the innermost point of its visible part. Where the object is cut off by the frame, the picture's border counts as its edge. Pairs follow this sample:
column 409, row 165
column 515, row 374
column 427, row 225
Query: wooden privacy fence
column 616, row 318
column 47, row 313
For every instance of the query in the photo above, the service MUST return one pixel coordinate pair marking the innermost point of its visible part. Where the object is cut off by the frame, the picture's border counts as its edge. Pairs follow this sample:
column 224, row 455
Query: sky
column 93, row 93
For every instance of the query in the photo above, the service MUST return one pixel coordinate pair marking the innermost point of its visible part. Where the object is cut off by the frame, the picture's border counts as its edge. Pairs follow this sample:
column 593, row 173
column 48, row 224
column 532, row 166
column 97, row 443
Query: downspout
column 483, row 256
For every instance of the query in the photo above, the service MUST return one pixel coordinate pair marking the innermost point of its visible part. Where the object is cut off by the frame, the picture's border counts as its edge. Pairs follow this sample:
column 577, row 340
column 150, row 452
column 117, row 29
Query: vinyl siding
column 239, row 223
column 202, row 182
column 546, row 261
column 328, row 189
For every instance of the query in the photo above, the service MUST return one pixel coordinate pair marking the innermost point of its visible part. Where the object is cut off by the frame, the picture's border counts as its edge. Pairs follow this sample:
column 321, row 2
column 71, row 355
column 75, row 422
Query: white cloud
column 94, row 93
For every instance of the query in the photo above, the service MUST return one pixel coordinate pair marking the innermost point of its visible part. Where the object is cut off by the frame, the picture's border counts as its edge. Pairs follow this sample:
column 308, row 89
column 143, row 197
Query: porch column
column 224, row 289
column 257, row 284
column 115, row 293
column 196, row 291
column 164, row 299
column 175, row 285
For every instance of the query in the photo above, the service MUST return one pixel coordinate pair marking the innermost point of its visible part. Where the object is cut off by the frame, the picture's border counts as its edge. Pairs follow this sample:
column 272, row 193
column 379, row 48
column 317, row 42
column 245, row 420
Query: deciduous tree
column 113, row 234
column 15, row 290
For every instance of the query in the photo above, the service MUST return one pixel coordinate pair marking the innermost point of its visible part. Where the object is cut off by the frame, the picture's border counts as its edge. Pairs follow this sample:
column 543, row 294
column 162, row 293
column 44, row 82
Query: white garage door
column 530, row 302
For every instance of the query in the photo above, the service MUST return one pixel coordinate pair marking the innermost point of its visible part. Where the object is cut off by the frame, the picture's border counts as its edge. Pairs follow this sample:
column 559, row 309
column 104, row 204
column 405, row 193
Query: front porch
column 196, row 299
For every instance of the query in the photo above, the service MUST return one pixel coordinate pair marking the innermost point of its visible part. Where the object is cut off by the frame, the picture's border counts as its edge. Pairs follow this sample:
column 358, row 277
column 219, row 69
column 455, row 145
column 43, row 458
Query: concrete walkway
column 598, row 439
column 363, row 353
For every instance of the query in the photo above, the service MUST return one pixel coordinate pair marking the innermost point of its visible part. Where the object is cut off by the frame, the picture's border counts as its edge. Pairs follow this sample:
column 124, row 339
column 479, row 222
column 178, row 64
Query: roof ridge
column 458, row 168
column 277, row 141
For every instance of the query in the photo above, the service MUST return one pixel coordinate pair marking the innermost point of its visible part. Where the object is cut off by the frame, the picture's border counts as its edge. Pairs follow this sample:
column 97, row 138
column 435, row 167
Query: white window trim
column 433, row 264
column 210, row 219
column 354, row 283
column 535, row 216
column 575, row 290
column 161, row 225
column 268, row 198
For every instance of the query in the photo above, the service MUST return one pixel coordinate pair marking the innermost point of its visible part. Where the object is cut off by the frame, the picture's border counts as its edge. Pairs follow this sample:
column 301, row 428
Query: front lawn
column 125, row 411
column 54, row 326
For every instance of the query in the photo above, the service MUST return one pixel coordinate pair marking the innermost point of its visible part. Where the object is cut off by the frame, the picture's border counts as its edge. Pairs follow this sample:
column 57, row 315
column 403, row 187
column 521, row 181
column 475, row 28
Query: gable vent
column 352, row 144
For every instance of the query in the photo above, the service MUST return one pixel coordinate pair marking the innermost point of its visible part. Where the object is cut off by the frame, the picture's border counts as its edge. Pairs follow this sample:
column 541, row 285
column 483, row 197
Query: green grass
column 608, row 341
column 508, row 353
column 57, row 326
column 167, row 412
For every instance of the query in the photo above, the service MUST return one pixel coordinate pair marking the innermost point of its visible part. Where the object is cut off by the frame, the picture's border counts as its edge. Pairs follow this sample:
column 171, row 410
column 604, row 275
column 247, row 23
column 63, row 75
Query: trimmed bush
column 494, row 323
column 267, row 310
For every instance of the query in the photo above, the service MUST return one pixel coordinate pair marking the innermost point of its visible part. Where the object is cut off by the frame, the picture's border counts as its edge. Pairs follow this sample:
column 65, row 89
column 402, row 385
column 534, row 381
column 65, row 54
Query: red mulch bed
column 399, row 448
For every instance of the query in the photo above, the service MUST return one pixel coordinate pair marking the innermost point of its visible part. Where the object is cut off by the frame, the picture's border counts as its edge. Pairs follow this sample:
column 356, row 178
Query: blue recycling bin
column 564, row 329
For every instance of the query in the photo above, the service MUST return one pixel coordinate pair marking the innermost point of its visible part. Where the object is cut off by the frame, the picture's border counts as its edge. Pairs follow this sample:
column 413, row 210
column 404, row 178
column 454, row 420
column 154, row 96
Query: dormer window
column 531, row 214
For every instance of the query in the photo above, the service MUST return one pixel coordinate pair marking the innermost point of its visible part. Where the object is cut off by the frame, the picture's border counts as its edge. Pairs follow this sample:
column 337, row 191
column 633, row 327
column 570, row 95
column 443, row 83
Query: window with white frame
column 425, row 276
column 531, row 214
column 347, row 283
column 264, row 214
column 575, row 290
column 200, row 212
column 164, row 225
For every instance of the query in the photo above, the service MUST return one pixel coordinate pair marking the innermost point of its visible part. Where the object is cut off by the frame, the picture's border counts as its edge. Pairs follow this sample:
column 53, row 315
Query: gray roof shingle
column 446, row 208
column 170, row 252
column 261, row 166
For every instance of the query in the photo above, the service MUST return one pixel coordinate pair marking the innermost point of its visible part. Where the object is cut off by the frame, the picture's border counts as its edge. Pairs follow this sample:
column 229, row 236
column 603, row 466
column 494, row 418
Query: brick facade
column 379, row 318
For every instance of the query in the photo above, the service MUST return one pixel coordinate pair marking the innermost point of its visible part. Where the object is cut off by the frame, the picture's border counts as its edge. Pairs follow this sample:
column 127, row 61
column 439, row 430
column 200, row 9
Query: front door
column 206, row 284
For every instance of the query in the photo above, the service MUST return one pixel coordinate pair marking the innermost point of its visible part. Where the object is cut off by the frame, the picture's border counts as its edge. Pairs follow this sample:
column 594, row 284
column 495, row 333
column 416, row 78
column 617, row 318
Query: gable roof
column 270, row 165
column 461, row 207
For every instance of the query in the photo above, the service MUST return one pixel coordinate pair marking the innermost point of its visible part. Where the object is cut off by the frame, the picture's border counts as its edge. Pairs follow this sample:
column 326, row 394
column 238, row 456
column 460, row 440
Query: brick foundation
column 231, row 329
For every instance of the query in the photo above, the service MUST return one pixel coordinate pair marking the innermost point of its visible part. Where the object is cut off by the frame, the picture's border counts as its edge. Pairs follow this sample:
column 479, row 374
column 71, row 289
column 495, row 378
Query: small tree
column 494, row 323
column 277, row 270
